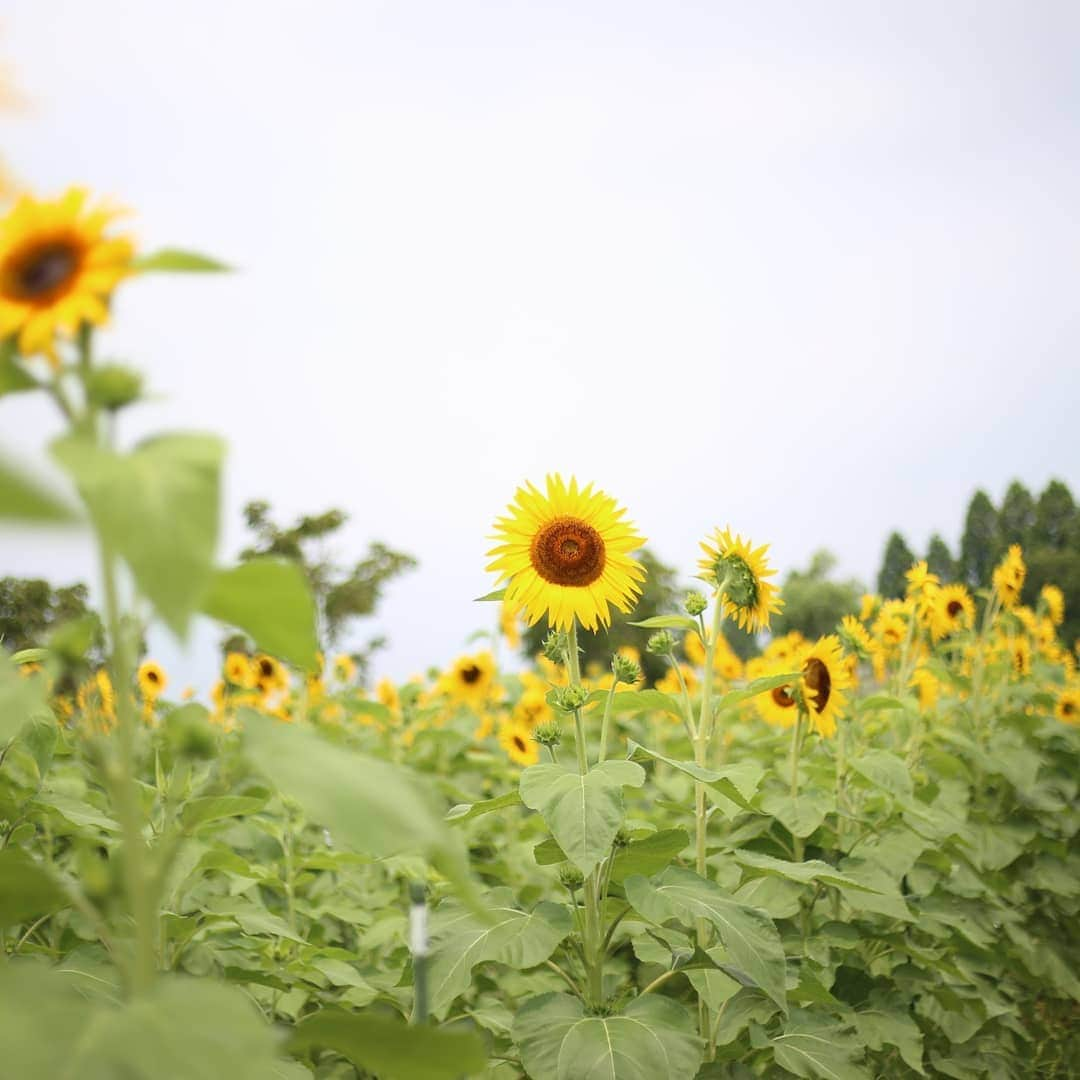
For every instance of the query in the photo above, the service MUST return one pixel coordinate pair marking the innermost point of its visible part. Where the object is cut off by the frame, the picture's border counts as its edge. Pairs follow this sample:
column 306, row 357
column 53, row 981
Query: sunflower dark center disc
column 40, row 273
column 519, row 742
column 782, row 697
column 817, row 678
column 568, row 551
column 954, row 608
column 470, row 674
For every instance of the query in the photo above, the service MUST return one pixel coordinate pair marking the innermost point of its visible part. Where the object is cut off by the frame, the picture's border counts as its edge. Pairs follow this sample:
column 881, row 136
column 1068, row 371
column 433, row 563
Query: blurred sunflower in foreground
column 59, row 264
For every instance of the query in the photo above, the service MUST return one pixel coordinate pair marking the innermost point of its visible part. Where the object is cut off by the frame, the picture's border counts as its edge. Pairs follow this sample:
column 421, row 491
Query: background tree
column 1057, row 524
column 813, row 603
column 939, row 559
column 896, row 563
column 980, row 544
column 341, row 594
column 660, row 595
column 1016, row 517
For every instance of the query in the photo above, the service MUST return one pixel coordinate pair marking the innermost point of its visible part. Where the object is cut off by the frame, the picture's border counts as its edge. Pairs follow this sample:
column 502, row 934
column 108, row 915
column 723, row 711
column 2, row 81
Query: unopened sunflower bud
column 113, row 386
column 622, row 839
column 569, row 698
column 661, row 643
column 555, row 647
column 571, row 877
column 625, row 670
column 694, row 603
column 549, row 733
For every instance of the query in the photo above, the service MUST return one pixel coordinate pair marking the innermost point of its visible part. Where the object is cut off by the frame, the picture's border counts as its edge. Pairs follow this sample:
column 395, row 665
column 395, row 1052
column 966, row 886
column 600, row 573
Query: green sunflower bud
column 625, row 670
column 549, row 733
column 661, row 643
column 571, row 877
column 694, row 604
column 555, row 647
column 569, row 698
column 113, row 386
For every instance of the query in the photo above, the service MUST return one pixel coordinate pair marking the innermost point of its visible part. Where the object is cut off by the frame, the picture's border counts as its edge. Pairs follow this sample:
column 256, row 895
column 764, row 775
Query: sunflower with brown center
column 152, row 680
column 741, row 571
column 953, row 610
column 1067, row 707
column 516, row 739
column 470, row 679
column 566, row 554
column 58, row 269
column 825, row 677
column 269, row 674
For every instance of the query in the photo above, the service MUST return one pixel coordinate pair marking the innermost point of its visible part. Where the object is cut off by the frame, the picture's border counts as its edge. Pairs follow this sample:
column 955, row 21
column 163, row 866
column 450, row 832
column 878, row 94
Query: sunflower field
column 845, row 858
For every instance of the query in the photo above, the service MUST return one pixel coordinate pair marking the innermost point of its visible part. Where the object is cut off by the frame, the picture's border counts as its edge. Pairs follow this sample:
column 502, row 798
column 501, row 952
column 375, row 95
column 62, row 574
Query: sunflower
column 566, row 554
column 868, row 606
column 517, row 741
column 1008, row 577
column 344, row 668
column 239, row 671
column 952, row 610
column 58, row 268
column 269, row 674
column 855, row 638
column 1067, row 707
column 532, row 708
column 777, row 706
column 469, row 679
column 732, row 564
column 920, row 581
column 96, row 696
column 386, row 693
column 1054, row 601
column 152, row 680
column 926, row 686
column 824, row 680
column 784, row 649
column 668, row 683
column 1019, row 650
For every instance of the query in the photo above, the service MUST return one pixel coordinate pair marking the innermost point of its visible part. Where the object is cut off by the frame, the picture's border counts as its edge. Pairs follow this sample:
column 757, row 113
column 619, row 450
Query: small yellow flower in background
column 1067, row 707
column 669, row 683
column 484, row 729
column 855, row 638
column 344, row 668
column 470, row 679
column 269, row 674
column 953, row 609
column 726, row 663
column 825, row 678
column 1009, row 577
column 316, row 689
column 921, row 584
column 239, row 670
column 868, row 606
column 1053, row 600
column 96, row 697
column 517, row 741
column 152, row 680
column 532, row 708
column 188, row 693
column 58, row 269
column 386, row 693
column 26, row 670
column 566, row 554
column 926, row 687
column 510, row 623
column 1019, row 650
column 749, row 599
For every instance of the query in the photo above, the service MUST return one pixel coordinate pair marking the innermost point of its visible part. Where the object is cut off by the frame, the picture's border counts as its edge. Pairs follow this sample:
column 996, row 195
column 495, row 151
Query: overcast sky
column 808, row 269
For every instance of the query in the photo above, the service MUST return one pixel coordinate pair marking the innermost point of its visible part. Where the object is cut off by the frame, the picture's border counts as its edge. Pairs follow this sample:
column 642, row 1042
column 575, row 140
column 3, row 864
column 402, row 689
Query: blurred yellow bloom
column 517, row 741
column 239, row 670
column 152, row 680
column 1009, row 577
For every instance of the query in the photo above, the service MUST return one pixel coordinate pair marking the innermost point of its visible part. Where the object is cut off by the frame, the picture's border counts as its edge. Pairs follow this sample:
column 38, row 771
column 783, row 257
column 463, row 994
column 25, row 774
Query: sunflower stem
column 602, row 756
column 592, row 936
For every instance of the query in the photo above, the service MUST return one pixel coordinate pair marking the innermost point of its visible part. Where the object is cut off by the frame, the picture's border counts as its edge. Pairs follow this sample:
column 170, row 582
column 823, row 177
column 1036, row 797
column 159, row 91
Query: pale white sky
column 810, row 269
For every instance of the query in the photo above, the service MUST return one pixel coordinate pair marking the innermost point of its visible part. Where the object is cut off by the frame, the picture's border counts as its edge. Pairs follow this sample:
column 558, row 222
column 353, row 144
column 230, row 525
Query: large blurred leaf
column 270, row 600
column 390, row 1048
column 27, row 889
column 158, row 508
column 24, row 499
column 370, row 805
column 183, row 1028
column 652, row 1038
column 516, row 938
column 13, row 377
column 21, row 698
column 583, row 812
column 748, row 934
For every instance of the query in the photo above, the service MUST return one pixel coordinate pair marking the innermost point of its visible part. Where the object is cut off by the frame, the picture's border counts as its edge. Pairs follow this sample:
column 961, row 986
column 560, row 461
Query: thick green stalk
column 602, row 756
column 593, row 938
